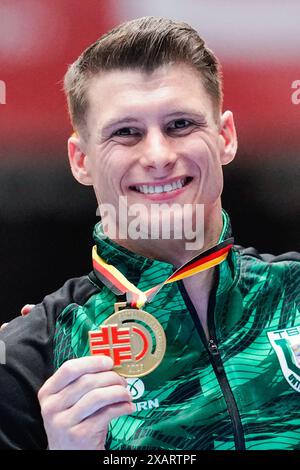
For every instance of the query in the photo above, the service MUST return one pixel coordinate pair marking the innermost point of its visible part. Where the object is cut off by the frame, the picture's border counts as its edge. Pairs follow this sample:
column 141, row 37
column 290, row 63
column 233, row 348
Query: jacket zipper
column 217, row 363
column 228, row 395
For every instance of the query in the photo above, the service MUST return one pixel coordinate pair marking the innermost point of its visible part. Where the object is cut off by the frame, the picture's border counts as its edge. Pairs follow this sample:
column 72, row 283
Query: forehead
column 112, row 94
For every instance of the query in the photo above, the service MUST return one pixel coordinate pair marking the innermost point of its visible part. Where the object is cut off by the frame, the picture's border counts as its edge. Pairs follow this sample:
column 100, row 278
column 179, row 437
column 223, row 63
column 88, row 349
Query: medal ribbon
column 119, row 284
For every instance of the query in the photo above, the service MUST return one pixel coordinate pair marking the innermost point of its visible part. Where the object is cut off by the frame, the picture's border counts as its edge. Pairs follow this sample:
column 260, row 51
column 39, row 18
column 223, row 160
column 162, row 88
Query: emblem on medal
column 133, row 338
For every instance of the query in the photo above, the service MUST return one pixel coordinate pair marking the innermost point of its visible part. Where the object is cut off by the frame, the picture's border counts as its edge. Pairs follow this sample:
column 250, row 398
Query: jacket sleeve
column 26, row 363
column 29, row 362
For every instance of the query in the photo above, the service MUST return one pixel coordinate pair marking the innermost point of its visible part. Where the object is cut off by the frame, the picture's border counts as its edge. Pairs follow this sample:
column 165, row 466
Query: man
column 146, row 104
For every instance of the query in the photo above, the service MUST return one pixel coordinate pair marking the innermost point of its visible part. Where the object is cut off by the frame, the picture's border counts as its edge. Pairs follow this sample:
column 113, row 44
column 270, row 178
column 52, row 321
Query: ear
column 228, row 138
column 79, row 160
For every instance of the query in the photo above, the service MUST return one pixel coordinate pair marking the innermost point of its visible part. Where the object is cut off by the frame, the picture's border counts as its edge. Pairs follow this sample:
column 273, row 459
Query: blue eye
column 124, row 131
column 181, row 123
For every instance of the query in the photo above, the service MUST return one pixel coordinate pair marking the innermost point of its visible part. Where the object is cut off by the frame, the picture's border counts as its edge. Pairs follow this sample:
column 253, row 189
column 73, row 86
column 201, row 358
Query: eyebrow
column 130, row 119
column 195, row 114
column 116, row 122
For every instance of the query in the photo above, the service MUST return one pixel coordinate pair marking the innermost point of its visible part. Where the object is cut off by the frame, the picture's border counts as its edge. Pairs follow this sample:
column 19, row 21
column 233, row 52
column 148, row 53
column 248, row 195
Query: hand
column 79, row 401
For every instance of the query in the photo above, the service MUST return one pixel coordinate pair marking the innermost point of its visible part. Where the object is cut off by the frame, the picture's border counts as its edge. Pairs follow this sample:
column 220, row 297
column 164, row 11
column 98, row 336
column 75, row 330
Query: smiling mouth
column 162, row 188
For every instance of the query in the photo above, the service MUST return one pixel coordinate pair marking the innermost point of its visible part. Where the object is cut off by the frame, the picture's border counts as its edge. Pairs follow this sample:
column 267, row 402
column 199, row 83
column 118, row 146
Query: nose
column 157, row 152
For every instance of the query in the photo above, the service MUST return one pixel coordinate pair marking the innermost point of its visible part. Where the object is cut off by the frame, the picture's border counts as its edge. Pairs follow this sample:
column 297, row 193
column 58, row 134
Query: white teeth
column 161, row 189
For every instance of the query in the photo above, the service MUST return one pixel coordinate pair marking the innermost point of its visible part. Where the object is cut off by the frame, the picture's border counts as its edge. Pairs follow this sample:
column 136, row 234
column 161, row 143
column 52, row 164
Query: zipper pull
column 213, row 348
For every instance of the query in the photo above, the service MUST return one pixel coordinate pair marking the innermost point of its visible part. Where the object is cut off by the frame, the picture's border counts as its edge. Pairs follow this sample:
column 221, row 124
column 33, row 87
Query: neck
column 174, row 251
column 198, row 288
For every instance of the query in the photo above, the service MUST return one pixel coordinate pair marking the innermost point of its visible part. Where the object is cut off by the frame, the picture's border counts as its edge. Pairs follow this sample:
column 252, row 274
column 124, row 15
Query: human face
column 153, row 132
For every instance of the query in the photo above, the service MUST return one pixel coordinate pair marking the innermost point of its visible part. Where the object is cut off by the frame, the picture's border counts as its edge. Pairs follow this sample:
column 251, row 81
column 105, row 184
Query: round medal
column 133, row 338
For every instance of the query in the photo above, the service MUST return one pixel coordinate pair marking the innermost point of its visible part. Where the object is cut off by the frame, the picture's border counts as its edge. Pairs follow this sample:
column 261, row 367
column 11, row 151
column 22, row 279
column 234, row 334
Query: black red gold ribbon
column 119, row 284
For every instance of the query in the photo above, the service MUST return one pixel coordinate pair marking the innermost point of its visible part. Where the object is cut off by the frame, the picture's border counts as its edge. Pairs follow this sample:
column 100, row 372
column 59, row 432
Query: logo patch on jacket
column 137, row 389
column 286, row 344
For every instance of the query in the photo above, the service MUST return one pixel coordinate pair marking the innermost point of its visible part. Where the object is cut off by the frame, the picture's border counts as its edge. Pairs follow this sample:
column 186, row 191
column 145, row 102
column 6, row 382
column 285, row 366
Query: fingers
column 72, row 370
column 98, row 399
column 86, row 383
column 3, row 326
column 80, row 399
column 89, row 434
column 102, row 418
column 26, row 309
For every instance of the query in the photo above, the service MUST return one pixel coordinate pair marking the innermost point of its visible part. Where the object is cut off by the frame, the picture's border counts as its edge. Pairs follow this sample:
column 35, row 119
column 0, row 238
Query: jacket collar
column 132, row 265
column 229, row 270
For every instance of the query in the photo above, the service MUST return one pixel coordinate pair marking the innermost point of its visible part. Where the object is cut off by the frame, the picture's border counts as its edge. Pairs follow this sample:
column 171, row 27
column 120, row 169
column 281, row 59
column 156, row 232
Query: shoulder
column 29, row 340
column 253, row 254
column 77, row 290
column 282, row 271
column 43, row 316
column 31, row 337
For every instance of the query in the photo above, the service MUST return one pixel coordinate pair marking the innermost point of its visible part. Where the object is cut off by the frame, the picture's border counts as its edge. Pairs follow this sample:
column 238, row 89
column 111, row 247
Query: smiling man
column 201, row 354
column 157, row 138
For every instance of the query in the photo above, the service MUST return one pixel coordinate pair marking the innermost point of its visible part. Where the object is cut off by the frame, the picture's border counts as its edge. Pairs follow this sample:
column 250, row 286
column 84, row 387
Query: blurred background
column 47, row 218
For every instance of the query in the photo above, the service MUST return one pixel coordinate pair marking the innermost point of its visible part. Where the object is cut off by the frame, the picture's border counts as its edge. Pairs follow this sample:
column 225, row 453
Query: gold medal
column 133, row 338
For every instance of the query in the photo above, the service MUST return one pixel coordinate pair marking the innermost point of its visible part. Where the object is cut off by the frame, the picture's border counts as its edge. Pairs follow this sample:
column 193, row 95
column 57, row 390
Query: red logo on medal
column 116, row 342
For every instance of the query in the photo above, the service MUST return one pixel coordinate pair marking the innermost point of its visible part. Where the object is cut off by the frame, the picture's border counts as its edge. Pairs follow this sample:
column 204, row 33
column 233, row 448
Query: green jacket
column 240, row 389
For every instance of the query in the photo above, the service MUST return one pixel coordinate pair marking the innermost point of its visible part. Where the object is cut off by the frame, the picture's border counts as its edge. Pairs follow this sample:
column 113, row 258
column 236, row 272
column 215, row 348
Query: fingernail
column 133, row 406
column 107, row 361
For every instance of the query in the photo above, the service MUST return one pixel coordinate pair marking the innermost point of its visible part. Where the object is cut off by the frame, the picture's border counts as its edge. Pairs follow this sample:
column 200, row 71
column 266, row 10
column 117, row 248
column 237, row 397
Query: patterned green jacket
column 239, row 390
